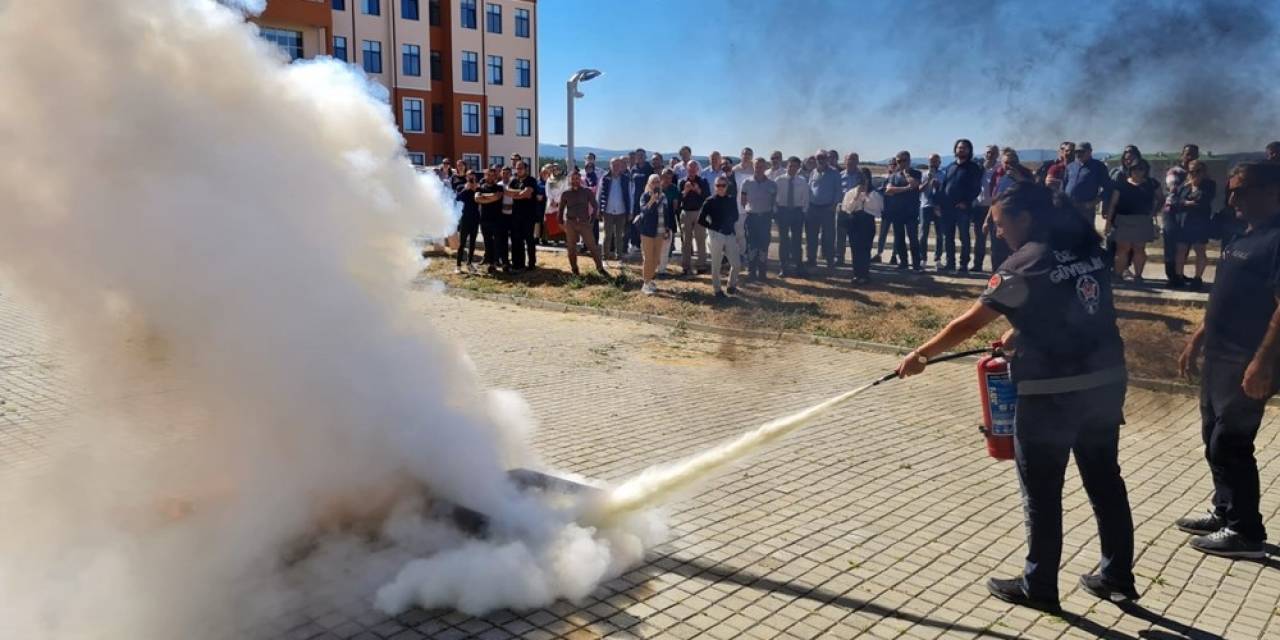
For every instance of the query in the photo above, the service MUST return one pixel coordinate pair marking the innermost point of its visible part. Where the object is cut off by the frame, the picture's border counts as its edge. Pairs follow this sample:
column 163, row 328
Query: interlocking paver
column 879, row 520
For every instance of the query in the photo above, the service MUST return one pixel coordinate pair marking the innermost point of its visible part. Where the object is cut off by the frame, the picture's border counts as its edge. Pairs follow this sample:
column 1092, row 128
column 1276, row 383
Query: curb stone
column 1149, row 384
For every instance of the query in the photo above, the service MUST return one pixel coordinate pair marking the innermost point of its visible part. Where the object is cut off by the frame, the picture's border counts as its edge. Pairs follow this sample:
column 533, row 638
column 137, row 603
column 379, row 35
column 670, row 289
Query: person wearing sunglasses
column 1240, row 342
column 719, row 216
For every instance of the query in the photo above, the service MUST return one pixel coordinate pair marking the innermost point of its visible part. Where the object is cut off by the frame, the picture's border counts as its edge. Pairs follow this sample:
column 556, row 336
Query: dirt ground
column 900, row 310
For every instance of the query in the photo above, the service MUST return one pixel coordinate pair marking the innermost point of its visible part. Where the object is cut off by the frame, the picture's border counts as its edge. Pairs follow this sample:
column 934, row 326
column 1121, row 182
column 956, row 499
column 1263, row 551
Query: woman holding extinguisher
column 1066, row 359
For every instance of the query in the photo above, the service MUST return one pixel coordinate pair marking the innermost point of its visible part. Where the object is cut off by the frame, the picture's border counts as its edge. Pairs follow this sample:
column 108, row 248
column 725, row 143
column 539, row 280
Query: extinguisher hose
column 943, row 358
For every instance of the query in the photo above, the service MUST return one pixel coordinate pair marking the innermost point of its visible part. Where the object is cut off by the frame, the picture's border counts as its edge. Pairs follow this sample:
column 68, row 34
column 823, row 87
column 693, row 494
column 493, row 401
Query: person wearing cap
column 1088, row 181
column 1067, row 362
column 1240, row 344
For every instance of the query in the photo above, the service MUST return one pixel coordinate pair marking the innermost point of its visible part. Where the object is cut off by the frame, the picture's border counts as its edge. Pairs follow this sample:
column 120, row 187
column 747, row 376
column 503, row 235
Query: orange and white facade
column 461, row 74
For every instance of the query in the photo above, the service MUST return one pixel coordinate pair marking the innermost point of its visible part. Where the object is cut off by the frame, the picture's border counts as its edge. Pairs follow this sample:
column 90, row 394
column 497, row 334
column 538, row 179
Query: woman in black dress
column 1195, row 199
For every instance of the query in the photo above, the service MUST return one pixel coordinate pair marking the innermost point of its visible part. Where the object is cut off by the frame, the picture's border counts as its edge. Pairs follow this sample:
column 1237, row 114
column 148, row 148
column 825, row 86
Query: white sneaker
column 649, row 289
column 458, row 269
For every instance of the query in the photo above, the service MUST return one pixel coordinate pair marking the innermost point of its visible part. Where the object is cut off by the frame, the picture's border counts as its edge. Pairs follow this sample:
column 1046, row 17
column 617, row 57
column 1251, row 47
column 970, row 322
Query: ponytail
column 1055, row 220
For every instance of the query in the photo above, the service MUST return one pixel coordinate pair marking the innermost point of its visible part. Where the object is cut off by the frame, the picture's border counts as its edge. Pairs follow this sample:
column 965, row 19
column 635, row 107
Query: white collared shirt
column 800, row 196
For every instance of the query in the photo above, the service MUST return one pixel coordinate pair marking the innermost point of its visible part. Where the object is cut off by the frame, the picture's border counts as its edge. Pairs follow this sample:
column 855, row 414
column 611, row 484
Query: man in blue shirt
column 929, row 214
column 849, row 178
column 820, row 219
column 1240, row 339
column 1088, row 181
column 615, row 204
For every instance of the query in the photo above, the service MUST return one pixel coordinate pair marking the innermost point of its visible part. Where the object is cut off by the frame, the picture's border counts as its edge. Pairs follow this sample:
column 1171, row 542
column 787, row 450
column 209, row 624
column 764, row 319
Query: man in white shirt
column 682, row 169
column 793, row 199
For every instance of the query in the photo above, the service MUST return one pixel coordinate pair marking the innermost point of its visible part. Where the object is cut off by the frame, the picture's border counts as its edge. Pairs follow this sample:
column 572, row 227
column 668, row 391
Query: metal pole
column 569, row 163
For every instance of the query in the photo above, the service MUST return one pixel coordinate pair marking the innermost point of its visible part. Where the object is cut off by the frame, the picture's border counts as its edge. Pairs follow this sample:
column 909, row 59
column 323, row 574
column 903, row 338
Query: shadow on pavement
column 697, row 566
column 1171, row 628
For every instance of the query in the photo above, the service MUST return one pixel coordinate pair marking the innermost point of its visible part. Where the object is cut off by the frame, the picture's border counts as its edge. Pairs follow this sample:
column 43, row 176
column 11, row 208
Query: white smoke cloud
column 229, row 233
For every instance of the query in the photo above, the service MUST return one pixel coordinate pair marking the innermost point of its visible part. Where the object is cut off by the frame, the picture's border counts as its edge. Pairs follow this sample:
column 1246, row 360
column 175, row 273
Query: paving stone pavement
column 880, row 520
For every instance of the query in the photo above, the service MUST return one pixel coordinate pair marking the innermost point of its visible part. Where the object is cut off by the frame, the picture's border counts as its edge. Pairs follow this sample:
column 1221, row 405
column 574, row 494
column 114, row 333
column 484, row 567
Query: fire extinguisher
column 999, row 396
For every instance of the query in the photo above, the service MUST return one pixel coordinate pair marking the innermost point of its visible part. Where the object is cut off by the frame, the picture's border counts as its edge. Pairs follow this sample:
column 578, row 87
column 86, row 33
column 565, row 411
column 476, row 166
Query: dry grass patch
column 901, row 311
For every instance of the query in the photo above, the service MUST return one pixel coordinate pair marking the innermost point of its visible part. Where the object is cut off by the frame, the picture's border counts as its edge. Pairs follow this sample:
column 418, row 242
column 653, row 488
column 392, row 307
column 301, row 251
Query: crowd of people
column 727, row 213
column 1054, row 271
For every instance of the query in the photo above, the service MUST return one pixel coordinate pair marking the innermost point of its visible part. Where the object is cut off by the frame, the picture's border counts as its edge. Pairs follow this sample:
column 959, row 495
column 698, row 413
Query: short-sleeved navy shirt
column 1061, row 308
column 1244, row 294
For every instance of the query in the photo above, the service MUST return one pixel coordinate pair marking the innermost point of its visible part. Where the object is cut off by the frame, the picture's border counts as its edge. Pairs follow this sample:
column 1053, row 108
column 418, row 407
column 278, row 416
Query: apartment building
column 461, row 74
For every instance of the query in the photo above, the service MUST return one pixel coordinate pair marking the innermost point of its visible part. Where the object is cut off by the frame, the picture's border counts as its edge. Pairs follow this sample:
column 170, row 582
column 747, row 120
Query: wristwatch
column 920, row 358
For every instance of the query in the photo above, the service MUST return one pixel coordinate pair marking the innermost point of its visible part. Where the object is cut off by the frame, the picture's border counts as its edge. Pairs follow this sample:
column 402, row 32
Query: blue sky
column 877, row 77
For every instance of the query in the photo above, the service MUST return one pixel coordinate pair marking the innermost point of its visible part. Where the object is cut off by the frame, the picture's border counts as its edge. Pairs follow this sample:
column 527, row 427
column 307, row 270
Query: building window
column 371, row 56
column 409, row 9
column 524, row 77
column 340, row 48
column 437, row 118
column 496, row 118
column 412, row 59
column 468, row 13
column 493, row 18
column 497, row 161
column 522, row 23
column 418, row 159
column 470, row 118
column 437, row 71
column 411, row 114
column 433, row 12
column 495, row 69
column 470, row 66
column 524, row 122
column 473, row 161
column 372, row 7
column 437, row 159
column 339, row 5
column 289, row 41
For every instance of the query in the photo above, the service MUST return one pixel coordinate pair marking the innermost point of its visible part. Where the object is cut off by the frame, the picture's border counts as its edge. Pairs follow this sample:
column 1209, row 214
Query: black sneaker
column 1228, row 544
column 1201, row 525
column 1010, row 590
column 733, row 291
column 720, row 295
column 1196, row 284
column 1102, row 589
column 876, row 259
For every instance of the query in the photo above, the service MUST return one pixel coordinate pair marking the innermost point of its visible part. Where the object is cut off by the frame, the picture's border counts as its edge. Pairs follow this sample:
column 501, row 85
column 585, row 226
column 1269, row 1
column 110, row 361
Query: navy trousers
column 1047, row 430
column 1229, row 423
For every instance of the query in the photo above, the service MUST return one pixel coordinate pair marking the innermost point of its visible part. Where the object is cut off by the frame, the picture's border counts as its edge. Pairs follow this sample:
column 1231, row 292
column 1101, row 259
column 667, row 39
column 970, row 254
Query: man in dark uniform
column 523, row 191
column 492, row 223
column 1240, row 339
column 1068, row 364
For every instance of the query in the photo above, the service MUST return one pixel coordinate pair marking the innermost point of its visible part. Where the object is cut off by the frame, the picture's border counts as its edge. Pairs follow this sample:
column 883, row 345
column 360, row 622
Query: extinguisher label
column 1003, row 396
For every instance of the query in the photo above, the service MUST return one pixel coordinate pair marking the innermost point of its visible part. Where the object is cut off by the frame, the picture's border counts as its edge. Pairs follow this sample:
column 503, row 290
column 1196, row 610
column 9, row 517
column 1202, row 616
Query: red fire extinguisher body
column 999, row 399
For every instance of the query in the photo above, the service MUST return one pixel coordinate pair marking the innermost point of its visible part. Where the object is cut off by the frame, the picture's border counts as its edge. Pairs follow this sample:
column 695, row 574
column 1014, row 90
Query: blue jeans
column 929, row 218
column 953, row 221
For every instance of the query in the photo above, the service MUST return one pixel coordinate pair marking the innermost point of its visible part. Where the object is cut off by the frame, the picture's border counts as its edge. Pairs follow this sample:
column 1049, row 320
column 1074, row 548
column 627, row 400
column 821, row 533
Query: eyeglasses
column 721, row 186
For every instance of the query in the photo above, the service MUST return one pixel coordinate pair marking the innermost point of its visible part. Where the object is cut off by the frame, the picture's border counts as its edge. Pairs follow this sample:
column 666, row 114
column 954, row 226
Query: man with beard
column 493, row 224
column 958, row 188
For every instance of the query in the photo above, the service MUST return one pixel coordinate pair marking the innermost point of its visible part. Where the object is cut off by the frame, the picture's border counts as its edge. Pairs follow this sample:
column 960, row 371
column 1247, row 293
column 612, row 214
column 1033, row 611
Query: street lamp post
column 572, row 88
